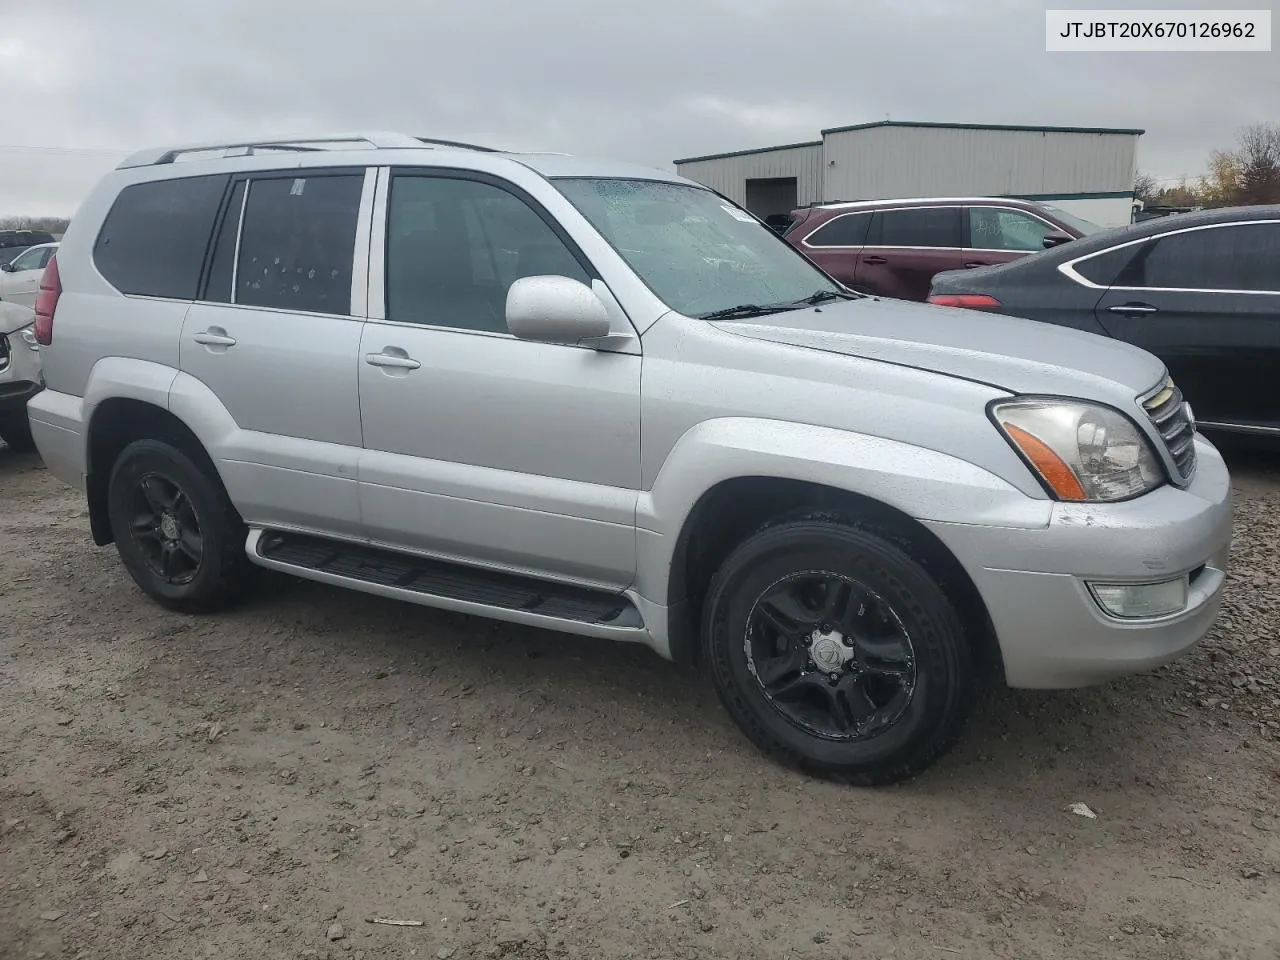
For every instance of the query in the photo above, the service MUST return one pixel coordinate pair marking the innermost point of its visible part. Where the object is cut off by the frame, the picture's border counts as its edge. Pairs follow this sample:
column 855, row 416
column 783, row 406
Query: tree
column 1221, row 186
column 1258, row 157
column 1145, row 188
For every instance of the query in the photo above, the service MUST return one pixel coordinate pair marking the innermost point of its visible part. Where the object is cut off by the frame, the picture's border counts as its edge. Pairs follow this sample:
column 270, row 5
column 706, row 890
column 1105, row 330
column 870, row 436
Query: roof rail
column 376, row 140
column 433, row 142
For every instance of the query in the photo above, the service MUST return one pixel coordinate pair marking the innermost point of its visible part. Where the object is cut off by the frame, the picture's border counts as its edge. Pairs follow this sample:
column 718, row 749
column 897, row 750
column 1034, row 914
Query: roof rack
column 244, row 148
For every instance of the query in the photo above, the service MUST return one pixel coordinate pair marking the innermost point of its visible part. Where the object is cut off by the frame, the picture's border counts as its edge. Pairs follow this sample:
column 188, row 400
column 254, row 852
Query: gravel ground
column 265, row 783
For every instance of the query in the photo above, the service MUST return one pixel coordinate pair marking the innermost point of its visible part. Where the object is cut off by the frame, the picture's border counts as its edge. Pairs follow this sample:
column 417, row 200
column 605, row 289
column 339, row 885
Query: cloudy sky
column 84, row 81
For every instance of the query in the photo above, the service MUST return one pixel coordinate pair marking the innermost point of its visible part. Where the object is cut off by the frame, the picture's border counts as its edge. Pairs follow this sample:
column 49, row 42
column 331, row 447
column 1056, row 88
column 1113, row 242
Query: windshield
column 1085, row 227
column 698, row 253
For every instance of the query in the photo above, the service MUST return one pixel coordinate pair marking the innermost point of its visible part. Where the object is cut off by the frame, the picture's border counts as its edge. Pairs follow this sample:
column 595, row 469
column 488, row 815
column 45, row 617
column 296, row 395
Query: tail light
column 969, row 301
column 47, row 301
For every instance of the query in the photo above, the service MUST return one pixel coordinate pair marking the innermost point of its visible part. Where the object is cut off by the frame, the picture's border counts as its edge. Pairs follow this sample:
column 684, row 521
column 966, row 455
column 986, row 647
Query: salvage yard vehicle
column 20, row 378
column 1199, row 290
column 601, row 399
column 893, row 248
column 20, row 278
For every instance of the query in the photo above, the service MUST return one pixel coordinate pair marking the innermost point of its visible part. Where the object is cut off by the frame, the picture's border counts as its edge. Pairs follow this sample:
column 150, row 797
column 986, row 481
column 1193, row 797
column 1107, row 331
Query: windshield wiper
column 744, row 310
column 822, row 296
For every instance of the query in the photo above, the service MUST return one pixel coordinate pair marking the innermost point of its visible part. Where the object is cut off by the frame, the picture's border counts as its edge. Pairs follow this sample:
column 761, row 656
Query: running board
column 449, row 586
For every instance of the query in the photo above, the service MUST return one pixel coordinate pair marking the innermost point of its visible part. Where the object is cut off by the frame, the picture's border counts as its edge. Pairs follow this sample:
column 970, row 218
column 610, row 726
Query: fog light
column 1142, row 601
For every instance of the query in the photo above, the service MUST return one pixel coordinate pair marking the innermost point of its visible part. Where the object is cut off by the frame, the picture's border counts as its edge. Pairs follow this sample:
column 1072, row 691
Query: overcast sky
column 643, row 81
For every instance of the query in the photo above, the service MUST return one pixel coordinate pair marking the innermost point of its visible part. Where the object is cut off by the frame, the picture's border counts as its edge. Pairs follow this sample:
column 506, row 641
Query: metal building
column 1089, row 171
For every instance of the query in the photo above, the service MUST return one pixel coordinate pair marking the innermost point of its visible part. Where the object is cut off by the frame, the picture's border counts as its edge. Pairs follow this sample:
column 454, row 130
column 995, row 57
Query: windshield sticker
column 738, row 214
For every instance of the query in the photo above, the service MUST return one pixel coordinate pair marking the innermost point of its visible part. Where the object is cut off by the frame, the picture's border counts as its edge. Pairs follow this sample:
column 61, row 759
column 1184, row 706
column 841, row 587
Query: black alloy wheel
column 831, row 655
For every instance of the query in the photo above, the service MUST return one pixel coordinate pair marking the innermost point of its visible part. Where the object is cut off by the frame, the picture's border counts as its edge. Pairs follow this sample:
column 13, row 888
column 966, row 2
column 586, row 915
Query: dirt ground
column 263, row 784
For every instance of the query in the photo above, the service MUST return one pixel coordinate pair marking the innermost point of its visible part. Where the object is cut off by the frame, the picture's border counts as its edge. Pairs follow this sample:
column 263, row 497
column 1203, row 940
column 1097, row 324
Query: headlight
column 1082, row 451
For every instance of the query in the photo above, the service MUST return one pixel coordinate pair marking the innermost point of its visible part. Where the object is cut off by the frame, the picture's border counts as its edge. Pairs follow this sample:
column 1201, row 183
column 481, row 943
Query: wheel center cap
column 828, row 651
column 169, row 527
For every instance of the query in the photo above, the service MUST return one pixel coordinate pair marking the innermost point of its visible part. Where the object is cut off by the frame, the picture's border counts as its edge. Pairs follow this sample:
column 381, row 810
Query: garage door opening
column 772, row 197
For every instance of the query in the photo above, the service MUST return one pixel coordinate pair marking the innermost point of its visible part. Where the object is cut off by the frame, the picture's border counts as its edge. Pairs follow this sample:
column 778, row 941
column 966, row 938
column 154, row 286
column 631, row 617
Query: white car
column 20, row 373
column 20, row 278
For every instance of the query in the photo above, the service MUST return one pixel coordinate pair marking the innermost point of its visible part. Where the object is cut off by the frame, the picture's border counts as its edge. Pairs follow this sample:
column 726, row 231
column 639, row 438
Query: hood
column 14, row 316
column 1021, row 356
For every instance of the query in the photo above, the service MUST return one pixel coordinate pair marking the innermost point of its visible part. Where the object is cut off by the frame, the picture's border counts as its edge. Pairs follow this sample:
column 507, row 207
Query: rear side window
column 1104, row 268
column 297, row 243
column 1241, row 256
column 922, row 227
column 154, row 239
column 849, row 230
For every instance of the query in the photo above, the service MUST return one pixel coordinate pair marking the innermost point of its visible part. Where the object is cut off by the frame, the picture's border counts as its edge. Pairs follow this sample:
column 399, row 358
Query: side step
column 451, row 586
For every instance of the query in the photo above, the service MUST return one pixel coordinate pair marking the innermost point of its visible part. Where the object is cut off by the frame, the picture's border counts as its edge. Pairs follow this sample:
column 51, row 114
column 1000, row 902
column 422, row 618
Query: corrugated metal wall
column 887, row 162
column 730, row 174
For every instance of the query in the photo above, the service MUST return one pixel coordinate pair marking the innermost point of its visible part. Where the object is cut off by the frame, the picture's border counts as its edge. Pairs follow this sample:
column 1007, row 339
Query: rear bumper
column 58, row 428
column 1052, row 631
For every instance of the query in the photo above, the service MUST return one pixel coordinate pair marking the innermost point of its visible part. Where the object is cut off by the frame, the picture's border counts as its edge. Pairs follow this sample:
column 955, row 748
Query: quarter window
column 1104, row 268
column 297, row 243
column 454, row 248
column 848, row 230
column 1000, row 228
column 1240, row 256
column 917, row 227
column 153, row 240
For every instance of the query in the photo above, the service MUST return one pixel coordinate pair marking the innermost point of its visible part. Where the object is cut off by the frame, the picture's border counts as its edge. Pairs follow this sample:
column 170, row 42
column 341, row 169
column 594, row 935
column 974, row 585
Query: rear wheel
column 175, row 528
column 835, row 651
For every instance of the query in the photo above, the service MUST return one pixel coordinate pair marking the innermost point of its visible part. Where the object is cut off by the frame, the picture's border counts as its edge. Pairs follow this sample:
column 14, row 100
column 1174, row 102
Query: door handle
column 214, row 337
column 391, row 360
column 1133, row 308
column 875, row 261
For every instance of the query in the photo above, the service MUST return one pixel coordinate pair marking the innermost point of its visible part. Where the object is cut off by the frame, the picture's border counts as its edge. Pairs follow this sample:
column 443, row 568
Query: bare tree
column 1145, row 187
column 47, row 224
column 1258, row 157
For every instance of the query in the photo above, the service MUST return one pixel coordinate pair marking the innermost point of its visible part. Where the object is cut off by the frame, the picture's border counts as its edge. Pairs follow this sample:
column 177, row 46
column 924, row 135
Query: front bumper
column 20, row 377
column 1051, row 630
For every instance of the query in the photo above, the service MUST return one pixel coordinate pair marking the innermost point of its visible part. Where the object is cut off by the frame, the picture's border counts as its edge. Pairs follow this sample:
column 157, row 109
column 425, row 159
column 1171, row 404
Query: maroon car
column 893, row 248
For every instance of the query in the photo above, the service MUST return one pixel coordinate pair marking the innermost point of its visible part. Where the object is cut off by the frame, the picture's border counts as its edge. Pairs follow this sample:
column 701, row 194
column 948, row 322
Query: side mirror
column 6, row 267
column 1055, row 237
column 555, row 310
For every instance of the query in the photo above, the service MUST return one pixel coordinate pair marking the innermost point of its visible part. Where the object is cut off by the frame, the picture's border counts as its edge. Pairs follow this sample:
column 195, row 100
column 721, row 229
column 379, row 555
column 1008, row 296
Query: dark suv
column 14, row 242
column 893, row 248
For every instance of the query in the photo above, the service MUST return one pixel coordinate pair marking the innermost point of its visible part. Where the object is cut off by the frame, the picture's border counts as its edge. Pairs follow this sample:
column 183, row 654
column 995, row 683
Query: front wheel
column 175, row 528
column 837, row 652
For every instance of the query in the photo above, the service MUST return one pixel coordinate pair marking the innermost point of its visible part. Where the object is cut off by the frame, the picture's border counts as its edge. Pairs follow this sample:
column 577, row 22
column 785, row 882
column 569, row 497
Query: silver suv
column 601, row 399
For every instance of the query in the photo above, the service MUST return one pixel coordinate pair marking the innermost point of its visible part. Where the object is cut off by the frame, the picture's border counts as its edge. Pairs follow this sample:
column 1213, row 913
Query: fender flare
column 922, row 483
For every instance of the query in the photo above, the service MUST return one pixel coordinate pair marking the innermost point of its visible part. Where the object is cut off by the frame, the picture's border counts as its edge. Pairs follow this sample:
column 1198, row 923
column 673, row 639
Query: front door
column 276, row 341
column 20, row 282
column 1206, row 301
column 480, row 447
column 906, row 247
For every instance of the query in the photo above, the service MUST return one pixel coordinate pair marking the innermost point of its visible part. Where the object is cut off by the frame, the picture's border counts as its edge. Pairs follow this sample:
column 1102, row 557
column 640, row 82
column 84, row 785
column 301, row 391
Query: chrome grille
column 1171, row 417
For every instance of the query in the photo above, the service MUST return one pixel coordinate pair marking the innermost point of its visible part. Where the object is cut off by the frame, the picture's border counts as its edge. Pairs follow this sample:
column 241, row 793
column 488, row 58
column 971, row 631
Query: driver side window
column 454, row 248
column 31, row 260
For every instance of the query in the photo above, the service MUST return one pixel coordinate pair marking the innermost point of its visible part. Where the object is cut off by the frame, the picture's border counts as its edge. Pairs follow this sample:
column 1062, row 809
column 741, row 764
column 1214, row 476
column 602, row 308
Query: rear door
column 836, row 244
column 276, row 337
column 995, row 234
column 1206, row 300
column 905, row 247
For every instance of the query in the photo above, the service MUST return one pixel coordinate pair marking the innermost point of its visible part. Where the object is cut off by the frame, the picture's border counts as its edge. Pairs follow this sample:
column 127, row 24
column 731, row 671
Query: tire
column 154, row 479
column 879, row 694
column 17, row 434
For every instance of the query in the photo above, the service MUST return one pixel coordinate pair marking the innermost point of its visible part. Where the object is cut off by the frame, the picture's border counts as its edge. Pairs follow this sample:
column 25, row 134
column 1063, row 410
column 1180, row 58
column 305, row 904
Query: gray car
column 602, row 399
